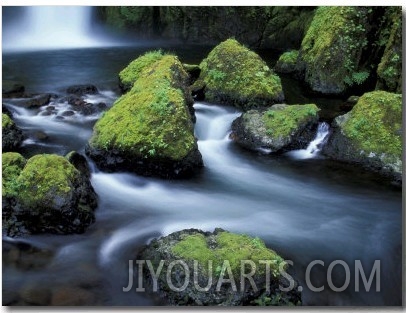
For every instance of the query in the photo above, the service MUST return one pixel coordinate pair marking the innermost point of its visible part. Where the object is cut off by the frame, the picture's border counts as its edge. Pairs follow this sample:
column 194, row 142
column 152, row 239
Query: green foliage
column 44, row 181
column 152, row 119
column 231, row 247
column 289, row 57
column 235, row 75
column 12, row 165
column 333, row 46
column 133, row 70
column 6, row 121
column 375, row 123
column 281, row 123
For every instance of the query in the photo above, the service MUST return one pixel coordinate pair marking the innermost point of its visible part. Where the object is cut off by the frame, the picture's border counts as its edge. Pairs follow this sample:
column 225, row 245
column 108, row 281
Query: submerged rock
column 280, row 128
column 45, row 194
column 34, row 101
column 370, row 134
column 12, row 136
column 149, row 130
column 234, row 75
column 81, row 90
column 187, row 278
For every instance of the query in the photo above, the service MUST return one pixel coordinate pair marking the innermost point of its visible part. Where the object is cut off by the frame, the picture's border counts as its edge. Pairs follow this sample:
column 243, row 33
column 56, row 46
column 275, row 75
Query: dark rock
column 59, row 117
column 34, row 102
column 193, row 70
column 40, row 135
column 67, row 113
column 50, row 108
column 12, row 136
column 73, row 100
column 189, row 245
column 47, row 113
column 79, row 162
column 102, row 106
column 12, row 89
column 80, row 90
column 35, row 294
column 352, row 100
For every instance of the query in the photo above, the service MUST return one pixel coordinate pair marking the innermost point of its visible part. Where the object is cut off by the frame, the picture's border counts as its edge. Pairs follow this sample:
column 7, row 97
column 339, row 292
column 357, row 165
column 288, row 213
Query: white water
column 52, row 27
column 314, row 146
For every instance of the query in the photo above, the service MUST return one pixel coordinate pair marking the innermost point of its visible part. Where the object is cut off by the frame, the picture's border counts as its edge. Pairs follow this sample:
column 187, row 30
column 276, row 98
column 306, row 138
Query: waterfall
column 315, row 145
column 50, row 27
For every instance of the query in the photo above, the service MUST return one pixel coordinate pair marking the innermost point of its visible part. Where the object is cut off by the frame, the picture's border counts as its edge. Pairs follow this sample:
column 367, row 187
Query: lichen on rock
column 280, row 128
column 234, row 75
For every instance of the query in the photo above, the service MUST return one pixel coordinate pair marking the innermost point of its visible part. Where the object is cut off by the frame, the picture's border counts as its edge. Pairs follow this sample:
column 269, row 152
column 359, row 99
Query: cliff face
column 259, row 27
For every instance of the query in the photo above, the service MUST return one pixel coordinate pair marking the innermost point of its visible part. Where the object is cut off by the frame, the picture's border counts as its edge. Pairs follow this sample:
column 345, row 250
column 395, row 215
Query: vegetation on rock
column 234, row 75
column 287, row 62
column 150, row 124
column 133, row 70
column 12, row 165
column 12, row 136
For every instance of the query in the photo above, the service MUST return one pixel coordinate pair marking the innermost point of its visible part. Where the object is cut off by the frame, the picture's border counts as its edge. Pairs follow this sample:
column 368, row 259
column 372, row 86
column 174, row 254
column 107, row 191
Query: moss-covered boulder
column 280, row 128
column 370, row 134
column 45, row 194
column 204, row 259
column 390, row 68
column 12, row 136
column 287, row 62
column 331, row 51
column 149, row 129
column 132, row 71
column 234, row 75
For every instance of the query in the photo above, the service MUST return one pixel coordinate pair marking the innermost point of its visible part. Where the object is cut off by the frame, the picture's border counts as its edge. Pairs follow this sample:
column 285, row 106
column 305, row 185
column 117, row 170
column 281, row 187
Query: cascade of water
column 51, row 27
column 315, row 145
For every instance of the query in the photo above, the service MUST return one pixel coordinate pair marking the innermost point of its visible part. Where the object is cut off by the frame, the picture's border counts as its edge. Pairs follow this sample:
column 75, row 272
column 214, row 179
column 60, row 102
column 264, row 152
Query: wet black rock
column 80, row 90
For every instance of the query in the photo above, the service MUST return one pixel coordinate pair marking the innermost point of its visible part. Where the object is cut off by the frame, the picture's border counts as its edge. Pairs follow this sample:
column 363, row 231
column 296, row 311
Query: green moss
column 152, row 119
column 390, row 68
column 289, row 57
column 375, row 124
column 12, row 165
column 333, row 46
column 229, row 246
column 45, row 181
column 6, row 121
column 233, row 74
column 281, row 123
column 133, row 70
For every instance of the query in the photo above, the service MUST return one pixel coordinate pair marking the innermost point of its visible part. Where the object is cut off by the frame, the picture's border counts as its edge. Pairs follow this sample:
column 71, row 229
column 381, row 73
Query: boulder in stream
column 12, row 136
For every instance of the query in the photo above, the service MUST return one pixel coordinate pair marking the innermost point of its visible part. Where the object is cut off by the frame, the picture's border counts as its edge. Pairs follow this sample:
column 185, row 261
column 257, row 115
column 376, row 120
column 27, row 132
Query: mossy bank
column 370, row 134
column 45, row 194
column 149, row 130
column 234, row 75
column 212, row 257
column 280, row 128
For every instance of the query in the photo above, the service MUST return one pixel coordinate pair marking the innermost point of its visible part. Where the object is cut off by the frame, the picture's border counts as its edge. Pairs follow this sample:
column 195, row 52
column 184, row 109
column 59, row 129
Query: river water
column 304, row 207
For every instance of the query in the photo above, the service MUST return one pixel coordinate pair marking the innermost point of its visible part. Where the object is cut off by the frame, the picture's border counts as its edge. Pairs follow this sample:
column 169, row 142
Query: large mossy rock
column 234, row 75
column 280, row 128
column 287, row 62
column 390, row 68
column 12, row 136
column 45, row 194
column 225, row 251
column 149, row 129
column 331, row 51
column 370, row 134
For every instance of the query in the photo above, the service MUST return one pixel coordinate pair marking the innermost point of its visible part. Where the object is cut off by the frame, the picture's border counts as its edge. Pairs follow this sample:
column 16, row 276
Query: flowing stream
column 305, row 208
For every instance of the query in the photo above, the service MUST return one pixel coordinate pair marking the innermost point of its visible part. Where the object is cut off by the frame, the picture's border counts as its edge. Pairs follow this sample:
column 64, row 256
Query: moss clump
column 390, row 68
column 6, row 121
column 47, row 181
column 152, row 120
column 289, row 57
column 133, row 70
column 12, row 165
column 228, row 246
column 375, row 124
column 235, row 75
column 332, row 48
column 282, row 123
